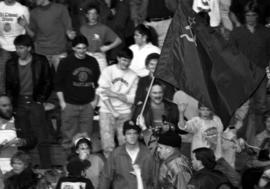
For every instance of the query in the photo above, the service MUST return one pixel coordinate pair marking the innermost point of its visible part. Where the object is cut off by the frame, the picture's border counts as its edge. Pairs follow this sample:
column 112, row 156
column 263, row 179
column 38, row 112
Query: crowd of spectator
column 78, row 60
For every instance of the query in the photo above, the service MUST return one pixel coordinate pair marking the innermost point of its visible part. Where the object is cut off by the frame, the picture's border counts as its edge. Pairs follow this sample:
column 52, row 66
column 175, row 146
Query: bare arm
column 24, row 23
column 62, row 102
column 112, row 45
column 182, row 122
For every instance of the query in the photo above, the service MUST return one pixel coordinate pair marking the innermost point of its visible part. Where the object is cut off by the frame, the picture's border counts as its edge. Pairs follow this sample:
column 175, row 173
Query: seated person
column 21, row 176
column 76, row 175
column 8, row 135
column 83, row 151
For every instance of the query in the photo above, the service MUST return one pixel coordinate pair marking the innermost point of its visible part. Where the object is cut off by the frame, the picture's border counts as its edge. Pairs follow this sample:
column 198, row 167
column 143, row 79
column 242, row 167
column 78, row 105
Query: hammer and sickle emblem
column 190, row 37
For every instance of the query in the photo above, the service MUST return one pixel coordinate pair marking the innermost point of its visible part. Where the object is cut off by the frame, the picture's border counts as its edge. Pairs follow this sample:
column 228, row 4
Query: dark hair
column 264, row 155
column 128, row 125
column 152, row 56
column 84, row 141
column 211, row 115
column 266, row 115
column 91, row 6
column 76, row 166
column 251, row 7
column 24, row 40
column 22, row 156
column 79, row 39
column 265, row 143
column 206, row 156
column 125, row 53
column 143, row 30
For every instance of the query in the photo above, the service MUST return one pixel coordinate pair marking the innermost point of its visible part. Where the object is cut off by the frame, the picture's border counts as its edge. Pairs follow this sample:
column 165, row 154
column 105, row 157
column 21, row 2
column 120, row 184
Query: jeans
column 108, row 127
column 30, row 123
column 76, row 119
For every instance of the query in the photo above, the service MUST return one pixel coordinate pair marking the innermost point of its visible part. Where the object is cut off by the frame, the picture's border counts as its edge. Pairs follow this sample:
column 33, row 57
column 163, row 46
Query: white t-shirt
column 205, row 133
column 139, row 55
column 9, row 27
column 133, row 154
column 210, row 6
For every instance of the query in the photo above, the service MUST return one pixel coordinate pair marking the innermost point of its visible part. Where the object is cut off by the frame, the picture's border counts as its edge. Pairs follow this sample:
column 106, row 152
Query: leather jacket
column 42, row 79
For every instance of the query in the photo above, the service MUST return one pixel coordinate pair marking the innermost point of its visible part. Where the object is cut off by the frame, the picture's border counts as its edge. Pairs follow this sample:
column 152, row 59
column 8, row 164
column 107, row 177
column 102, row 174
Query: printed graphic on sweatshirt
column 7, row 19
column 118, row 83
column 73, row 185
column 81, row 77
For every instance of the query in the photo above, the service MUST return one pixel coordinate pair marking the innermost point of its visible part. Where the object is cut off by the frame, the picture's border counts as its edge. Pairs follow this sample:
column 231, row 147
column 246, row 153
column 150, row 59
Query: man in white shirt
column 117, row 88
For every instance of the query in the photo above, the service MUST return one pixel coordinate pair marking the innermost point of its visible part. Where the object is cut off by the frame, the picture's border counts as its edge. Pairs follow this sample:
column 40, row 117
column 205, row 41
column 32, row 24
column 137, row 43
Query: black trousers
column 30, row 122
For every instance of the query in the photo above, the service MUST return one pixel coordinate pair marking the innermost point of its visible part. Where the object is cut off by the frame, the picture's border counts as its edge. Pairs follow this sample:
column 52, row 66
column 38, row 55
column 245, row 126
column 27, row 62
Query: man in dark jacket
column 206, row 176
column 118, row 172
column 158, row 116
column 28, row 83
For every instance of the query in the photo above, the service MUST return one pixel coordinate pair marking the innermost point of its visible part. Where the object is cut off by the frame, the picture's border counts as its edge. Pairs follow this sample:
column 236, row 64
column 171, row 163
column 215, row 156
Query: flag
column 196, row 59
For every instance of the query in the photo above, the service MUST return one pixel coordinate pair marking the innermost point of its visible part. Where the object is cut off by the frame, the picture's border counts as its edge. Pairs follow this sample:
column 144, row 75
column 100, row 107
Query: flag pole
column 147, row 95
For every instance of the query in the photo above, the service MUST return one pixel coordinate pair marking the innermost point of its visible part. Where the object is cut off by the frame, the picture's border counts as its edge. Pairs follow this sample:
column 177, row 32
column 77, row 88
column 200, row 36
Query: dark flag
column 196, row 59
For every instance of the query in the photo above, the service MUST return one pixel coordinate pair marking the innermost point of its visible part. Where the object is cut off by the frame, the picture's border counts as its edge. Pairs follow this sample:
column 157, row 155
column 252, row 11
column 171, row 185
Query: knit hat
column 130, row 125
column 170, row 138
column 79, row 39
column 76, row 166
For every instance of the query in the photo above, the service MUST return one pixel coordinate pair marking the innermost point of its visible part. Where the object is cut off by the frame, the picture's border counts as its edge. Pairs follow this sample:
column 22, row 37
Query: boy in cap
column 76, row 175
column 175, row 171
column 75, row 84
column 125, row 160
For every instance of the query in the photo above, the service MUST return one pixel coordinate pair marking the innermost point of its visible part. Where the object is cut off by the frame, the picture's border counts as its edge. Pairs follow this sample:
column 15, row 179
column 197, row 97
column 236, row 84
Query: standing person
column 205, row 176
column 144, row 82
column 155, row 13
column 158, row 116
column 11, row 13
column 49, row 24
column 141, row 49
column 175, row 170
column 100, row 37
column 253, row 40
column 206, row 128
column 117, row 87
column 28, row 83
column 75, row 84
column 119, row 168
